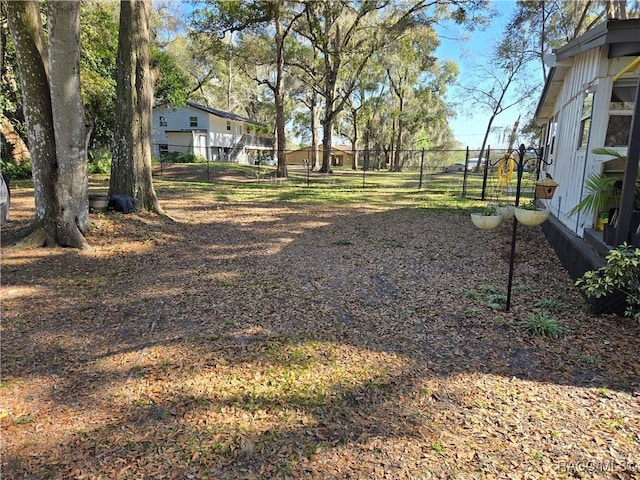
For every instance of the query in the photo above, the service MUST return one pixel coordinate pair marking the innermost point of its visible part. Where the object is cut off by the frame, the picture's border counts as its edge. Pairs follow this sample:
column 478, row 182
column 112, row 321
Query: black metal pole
column 464, row 178
column 512, row 257
column 630, row 176
column 486, row 172
column 421, row 169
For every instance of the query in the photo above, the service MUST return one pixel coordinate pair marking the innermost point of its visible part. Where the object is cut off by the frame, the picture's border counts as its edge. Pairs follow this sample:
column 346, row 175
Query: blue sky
column 467, row 49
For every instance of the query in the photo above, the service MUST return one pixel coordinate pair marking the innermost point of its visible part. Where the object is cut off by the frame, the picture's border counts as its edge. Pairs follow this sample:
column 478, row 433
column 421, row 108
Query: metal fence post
column 486, row 171
column 464, row 178
column 421, row 169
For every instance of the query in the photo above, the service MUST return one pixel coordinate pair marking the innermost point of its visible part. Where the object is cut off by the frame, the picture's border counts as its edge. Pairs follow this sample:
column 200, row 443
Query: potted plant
column 487, row 219
column 506, row 211
column 601, row 192
column 530, row 214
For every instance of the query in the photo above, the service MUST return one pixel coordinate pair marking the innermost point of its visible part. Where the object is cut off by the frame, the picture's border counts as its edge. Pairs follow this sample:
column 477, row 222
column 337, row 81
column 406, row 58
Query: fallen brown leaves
column 250, row 341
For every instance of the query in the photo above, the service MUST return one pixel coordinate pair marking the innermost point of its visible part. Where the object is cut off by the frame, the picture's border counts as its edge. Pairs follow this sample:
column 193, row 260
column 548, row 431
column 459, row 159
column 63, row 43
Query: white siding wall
column 218, row 137
column 177, row 120
column 570, row 164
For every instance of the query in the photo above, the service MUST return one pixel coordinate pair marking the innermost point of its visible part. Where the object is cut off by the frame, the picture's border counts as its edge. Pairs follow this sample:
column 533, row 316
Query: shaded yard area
column 290, row 338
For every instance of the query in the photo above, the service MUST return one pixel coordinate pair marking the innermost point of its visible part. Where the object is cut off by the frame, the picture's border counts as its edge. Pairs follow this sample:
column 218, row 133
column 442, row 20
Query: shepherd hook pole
column 521, row 151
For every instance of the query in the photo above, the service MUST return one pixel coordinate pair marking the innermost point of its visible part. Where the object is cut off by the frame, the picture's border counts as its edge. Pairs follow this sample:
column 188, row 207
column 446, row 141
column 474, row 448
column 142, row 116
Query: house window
column 585, row 120
column 163, row 148
column 193, row 121
column 623, row 95
column 163, row 121
column 228, row 126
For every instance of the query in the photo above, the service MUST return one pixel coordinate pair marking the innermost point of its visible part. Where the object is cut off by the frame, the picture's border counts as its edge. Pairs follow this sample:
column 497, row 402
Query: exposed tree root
column 38, row 237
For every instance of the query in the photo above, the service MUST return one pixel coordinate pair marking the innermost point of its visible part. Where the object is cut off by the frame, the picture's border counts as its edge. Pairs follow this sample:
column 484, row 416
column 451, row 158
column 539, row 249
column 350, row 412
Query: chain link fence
column 491, row 176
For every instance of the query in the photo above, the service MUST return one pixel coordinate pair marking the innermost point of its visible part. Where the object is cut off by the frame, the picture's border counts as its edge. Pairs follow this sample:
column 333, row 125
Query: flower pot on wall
column 531, row 217
column 486, row 222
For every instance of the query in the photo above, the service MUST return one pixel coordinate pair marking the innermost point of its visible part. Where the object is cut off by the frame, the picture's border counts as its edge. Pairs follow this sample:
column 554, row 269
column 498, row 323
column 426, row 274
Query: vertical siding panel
column 569, row 166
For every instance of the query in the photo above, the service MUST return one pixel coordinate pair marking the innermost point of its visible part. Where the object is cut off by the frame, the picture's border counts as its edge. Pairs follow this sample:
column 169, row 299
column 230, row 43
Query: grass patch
column 488, row 295
column 542, row 324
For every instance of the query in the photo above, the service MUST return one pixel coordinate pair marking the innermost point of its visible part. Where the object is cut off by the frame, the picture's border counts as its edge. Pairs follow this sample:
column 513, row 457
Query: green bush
column 179, row 157
column 620, row 273
column 542, row 325
column 15, row 171
column 99, row 162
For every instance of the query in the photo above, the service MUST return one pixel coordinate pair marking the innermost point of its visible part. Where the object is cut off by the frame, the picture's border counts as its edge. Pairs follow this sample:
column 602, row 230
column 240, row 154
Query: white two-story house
column 207, row 132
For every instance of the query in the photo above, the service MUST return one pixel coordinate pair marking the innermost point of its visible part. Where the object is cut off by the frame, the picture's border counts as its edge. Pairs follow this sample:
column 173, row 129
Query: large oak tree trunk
column 69, row 124
column 131, row 165
column 281, row 170
column 61, row 205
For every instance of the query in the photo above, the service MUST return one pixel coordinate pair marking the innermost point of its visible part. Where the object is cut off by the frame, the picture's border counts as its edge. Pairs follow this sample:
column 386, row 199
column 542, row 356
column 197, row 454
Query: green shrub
column 620, row 273
column 15, row 171
column 541, row 324
column 99, row 162
column 179, row 157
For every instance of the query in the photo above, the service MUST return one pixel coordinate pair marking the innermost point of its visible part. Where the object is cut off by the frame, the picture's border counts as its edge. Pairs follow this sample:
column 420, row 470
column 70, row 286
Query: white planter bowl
column 98, row 203
column 531, row 217
column 506, row 212
column 486, row 222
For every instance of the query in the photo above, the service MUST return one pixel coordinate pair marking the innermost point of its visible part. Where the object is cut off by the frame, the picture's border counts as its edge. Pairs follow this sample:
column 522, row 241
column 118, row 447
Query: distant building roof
column 223, row 114
column 341, row 148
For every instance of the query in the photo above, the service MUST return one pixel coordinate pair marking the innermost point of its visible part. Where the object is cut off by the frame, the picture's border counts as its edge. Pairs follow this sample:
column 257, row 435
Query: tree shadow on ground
column 245, row 344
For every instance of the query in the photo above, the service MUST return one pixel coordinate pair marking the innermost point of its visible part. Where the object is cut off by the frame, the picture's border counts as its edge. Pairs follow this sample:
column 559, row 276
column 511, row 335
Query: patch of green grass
column 488, row 295
column 344, row 186
column 589, row 359
column 542, row 324
column 343, row 242
column 437, row 447
column 549, row 303
column 137, row 370
column 615, row 424
column 23, row 419
column 7, row 381
column 523, row 288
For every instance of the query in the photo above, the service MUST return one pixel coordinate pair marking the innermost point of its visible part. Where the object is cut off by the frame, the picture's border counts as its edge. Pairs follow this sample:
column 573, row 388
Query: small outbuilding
column 340, row 155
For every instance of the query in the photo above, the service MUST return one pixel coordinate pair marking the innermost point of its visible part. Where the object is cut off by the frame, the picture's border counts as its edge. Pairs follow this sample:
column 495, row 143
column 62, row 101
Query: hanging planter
column 530, row 217
column 486, row 222
column 546, row 189
column 488, row 219
column 506, row 211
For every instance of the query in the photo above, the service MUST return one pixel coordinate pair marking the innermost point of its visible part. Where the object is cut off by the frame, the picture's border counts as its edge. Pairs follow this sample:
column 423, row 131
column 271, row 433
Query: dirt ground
column 247, row 340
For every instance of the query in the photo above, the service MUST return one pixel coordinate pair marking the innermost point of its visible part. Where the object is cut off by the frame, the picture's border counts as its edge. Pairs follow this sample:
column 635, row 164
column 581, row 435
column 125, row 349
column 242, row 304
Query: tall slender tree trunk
column 354, row 145
column 281, row 170
column 55, row 121
column 326, row 145
column 131, row 166
column 315, row 121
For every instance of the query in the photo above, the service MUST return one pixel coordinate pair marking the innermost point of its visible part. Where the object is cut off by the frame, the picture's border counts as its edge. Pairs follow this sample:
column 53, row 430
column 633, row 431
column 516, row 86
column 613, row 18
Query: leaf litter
column 288, row 340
